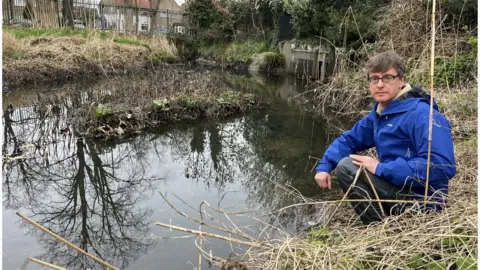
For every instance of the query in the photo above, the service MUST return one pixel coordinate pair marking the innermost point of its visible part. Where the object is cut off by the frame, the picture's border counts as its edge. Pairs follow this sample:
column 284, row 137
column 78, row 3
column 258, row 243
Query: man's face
column 385, row 90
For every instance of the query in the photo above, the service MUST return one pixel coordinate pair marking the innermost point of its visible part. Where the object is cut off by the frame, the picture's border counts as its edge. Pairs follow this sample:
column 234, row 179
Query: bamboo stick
column 354, row 182
column 56, row 236
column 46, row 264
column 374, row 191
column 430, row 122
column 252, row 244
column 200, row 253
column 357, row 175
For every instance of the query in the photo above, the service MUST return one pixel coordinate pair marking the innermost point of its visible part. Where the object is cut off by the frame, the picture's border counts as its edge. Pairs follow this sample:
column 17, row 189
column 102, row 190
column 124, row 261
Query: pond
column 106, row 196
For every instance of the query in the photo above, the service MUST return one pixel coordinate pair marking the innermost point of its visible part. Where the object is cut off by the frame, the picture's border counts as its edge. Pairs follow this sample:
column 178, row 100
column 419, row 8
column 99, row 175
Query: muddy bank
column 54, row 58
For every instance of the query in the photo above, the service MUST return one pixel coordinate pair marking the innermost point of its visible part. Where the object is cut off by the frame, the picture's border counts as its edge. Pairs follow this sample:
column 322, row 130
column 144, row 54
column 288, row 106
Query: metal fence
column 103, row 15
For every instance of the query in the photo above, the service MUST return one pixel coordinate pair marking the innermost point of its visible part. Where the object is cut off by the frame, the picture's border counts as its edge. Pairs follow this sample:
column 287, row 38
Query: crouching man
column 398, row 127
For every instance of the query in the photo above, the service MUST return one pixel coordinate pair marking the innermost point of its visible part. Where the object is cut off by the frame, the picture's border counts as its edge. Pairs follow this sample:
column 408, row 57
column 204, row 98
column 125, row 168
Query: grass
column 129, row 41
column 37, row 55
column 26, row 32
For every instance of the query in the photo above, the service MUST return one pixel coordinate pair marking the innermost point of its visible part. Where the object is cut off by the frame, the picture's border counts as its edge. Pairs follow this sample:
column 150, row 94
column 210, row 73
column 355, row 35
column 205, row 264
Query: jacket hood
column 407, row 99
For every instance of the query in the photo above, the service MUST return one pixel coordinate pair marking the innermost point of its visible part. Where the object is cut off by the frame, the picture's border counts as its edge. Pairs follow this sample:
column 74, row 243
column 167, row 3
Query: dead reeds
column 52, row 57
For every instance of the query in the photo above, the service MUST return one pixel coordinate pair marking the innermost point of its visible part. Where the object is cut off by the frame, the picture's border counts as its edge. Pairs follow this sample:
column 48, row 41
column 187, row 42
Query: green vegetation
column 459, row 69
column 190, row 103
column 104, row 110
column 234, row 97
column 234, row 52
column 162, row 104
column 128, row 41
column 25, row 32
column 273, row 60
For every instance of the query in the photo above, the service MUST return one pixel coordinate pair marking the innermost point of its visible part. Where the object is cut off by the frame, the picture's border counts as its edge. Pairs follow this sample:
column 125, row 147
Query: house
column 121, row 15
column 169, row 17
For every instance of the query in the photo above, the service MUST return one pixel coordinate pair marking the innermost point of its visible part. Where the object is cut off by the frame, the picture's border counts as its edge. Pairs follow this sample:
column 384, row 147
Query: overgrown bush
column 187, row 45
column 273, row 60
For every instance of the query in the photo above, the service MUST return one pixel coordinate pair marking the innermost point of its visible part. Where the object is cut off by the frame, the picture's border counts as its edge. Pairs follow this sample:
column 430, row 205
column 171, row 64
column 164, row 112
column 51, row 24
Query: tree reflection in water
column 86, row 193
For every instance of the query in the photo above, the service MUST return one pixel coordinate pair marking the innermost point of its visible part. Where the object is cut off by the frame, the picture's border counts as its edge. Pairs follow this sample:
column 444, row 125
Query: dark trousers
column 370, row 211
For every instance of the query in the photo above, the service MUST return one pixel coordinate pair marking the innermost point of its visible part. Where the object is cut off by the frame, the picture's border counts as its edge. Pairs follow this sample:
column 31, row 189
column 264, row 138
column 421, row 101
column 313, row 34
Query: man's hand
column 368, row 162
column 323, row 180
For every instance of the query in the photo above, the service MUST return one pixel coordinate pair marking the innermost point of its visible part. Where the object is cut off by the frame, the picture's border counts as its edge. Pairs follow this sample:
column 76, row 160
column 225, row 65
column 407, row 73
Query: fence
column 112, row 15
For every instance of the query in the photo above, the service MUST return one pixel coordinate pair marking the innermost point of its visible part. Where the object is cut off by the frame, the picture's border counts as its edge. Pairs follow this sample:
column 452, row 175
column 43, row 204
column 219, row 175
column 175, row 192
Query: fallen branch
column 237, row 232
column 56, row 236
column 46, row 264
column 252, row 244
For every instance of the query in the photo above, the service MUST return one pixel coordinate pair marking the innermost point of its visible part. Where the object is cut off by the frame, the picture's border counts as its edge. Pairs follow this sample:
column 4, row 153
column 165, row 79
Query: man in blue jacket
column 397, row 126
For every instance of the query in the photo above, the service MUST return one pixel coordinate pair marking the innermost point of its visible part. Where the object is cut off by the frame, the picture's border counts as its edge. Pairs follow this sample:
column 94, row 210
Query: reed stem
column 46, row 264
column 430, row 122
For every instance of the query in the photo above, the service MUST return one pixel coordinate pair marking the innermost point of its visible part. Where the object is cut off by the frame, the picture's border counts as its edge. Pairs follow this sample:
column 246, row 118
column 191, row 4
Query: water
column 105, row 196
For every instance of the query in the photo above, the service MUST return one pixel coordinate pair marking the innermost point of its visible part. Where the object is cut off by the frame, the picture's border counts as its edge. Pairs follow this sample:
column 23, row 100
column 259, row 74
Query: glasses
column 385, row 79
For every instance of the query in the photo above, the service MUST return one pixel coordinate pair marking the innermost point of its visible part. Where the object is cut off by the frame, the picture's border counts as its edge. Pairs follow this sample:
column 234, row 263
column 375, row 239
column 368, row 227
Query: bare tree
column 154, row 6
column 68, row 13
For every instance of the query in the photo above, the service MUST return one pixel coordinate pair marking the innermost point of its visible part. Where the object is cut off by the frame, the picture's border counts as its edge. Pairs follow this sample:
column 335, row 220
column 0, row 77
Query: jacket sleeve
column 412, row 173
column 359, row 138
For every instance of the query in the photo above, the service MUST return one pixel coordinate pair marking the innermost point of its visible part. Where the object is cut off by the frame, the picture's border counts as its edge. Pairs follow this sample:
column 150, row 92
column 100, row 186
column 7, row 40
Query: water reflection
column 98, row 195
column 87, row 197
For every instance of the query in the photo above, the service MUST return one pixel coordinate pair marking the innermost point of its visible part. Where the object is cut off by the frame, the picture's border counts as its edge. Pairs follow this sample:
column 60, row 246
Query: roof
column 128, row 3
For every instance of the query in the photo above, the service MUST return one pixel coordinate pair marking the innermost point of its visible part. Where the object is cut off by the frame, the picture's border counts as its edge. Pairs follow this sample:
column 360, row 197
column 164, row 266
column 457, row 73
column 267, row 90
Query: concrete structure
column 306, row 60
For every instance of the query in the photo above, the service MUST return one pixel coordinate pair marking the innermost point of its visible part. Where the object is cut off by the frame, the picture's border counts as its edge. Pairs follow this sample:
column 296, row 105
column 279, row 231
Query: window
column 109, row 10
column 179, row 29
column 144, row 13
column 144, row 27
column 20, row 3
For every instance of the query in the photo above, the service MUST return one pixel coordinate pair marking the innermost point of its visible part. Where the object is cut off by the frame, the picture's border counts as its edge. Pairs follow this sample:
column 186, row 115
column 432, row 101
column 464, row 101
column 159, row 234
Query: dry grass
column 55, row 58
column 345, row 95
column 410, row 40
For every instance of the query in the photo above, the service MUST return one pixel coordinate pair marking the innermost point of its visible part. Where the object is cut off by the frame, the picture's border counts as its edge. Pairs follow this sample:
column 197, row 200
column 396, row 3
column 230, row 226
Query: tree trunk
column 155, row 4
column 68, row 13
column 12, row 14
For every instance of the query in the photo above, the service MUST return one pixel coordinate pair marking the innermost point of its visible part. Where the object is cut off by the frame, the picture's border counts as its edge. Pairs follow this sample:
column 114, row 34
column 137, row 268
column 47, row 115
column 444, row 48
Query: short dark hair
column 384, row 61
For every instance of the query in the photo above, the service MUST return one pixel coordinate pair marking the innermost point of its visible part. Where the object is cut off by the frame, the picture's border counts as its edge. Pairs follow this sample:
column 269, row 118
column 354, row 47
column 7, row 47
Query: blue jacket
column 400, row 135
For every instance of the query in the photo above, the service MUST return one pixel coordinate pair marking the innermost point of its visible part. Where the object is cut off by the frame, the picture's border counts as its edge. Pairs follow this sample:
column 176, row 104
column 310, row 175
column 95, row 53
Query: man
column 398, row 126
